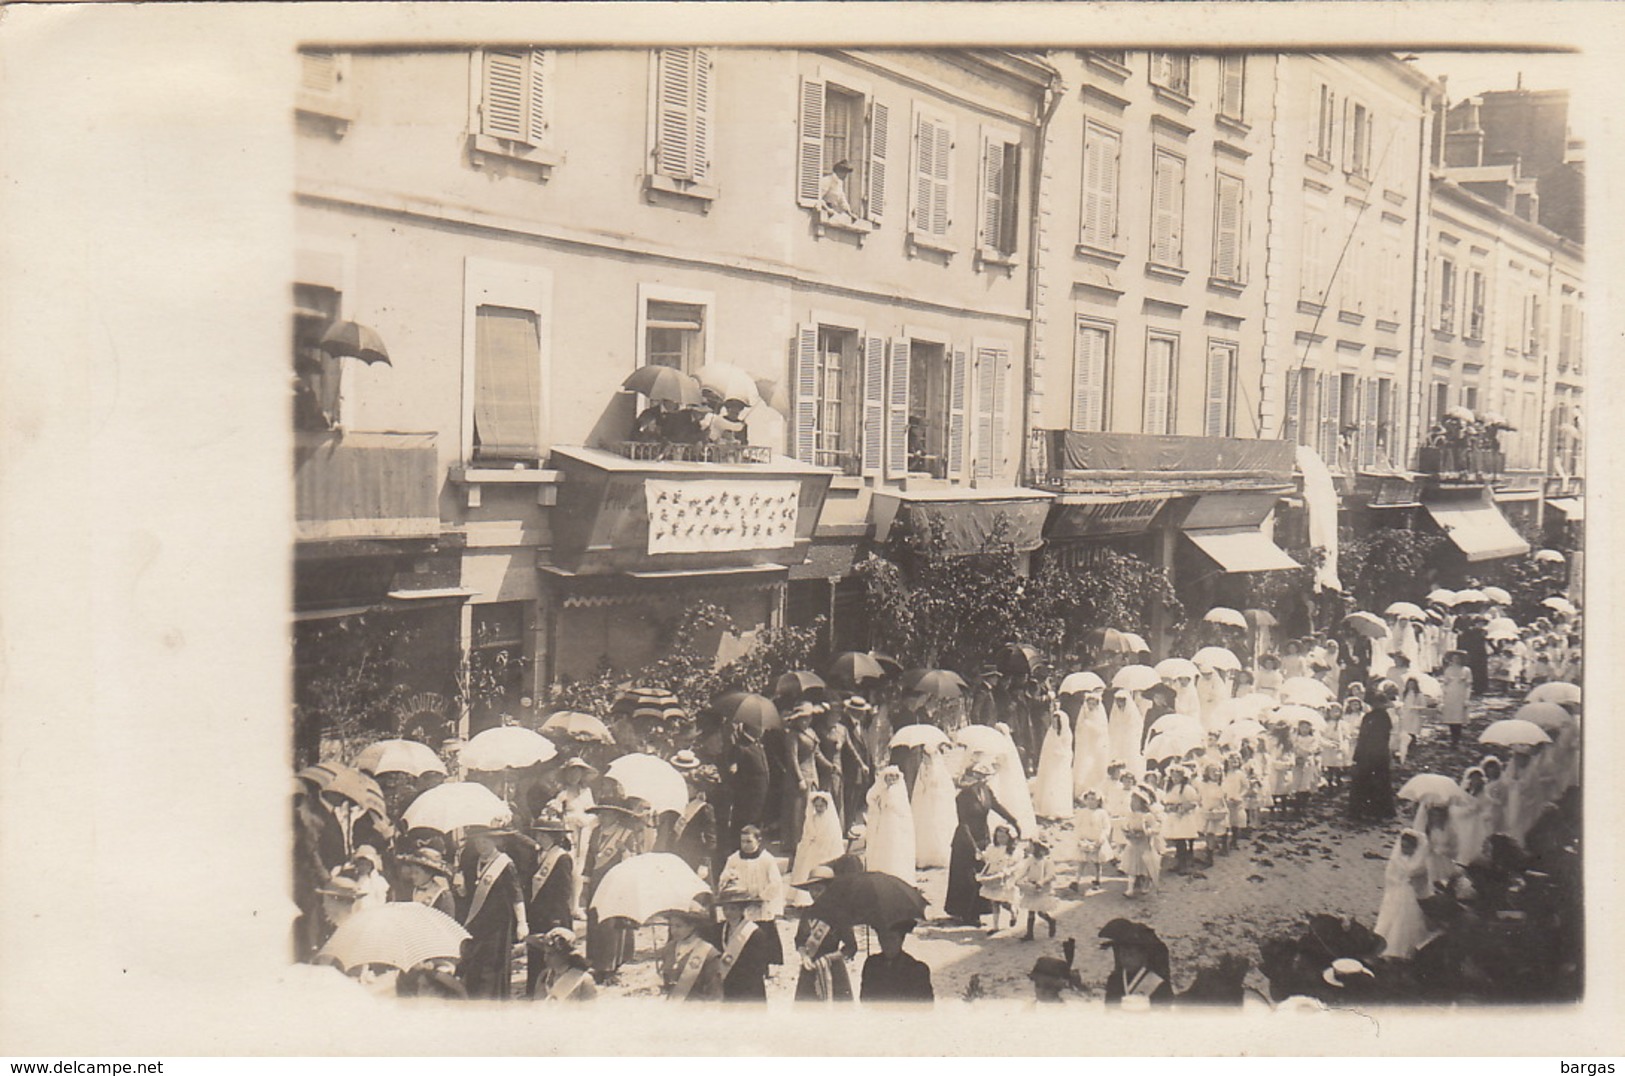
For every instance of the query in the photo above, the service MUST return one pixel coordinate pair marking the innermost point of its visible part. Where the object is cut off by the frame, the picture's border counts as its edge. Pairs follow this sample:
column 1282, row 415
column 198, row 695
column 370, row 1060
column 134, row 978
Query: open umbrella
column 1229, row 711
column 1260, row 618
column 872, row 898
column 921, row 735
column 1471, row 596
column 1405, row 611
column 1550, row 556
column 652, row 779
column 642, row 886
column 1216, row 657
column 664, row 383
column 1368, row 624
column 1079, row 682
column 508, row 747
column 1169, row 724
column 337, row 779
column 1258, row 702
column 401, row 934
column 1135, row 678
column 578, row 726
column 1428, row 684
column 1111, row 641
column 1291, row 715
column 1244, row 729
column 773, row 394
column 1558, row 691
column 727, row 381
column 1019, row 659
column 1305, row 691
column 455, row 805
column 1174, row 668
column 798, row 682
column 854, row 667
column 1548, row 715
column 1431, row 790
column 649, row 704
column 1172, row 745
column 1464, row 414
column 399, row 756
column 352, row 340
column 1559, row 604
column 888, row 664
column 1220, row 614
column 977, row 738
column 938, row 683
column 1441, row 596
column 757, row 711
column 1511, row 732
column 1498, row 596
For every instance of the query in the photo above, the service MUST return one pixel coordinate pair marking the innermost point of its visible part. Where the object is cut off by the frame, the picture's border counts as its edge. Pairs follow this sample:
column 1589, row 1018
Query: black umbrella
column 743, row 708
column 799, row 682
column 1020, row 659
column 853, row 667
column 351, row 339
column 664, row 383
column 873, row 898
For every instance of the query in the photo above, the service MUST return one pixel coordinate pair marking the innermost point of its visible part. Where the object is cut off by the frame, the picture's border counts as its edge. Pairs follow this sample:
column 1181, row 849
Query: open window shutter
column 986, row 373
column 1227, row 237
column 874, row 403
column 1093, row 228
column 897, row 411
column 941, row 175
column 674, row 112
column 319, row 72
column 1168, row 197
column 539, row 92
column 1289, row 415
column 806, row 402
column 1110, row 153
column 1010, row 225
column 1332, row 397
column 810, row 154
column 1001, row 416
column 703, row 129
column 1218, row 376
column 502, row 103
column 879, row 137
column 925, row 148
column 992, row 193
column 1368, row 432
column 957, row 390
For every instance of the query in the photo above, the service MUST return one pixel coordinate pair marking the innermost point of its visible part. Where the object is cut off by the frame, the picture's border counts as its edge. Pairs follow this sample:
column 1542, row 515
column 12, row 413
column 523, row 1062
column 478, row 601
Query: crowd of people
column 1025, row 785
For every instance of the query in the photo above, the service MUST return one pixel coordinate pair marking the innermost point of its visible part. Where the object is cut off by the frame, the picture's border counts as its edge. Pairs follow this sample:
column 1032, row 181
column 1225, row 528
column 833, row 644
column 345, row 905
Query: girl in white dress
column 1234, row 785
column 1212, row 688
column 1269, row 678
column 1335, row 740
column 821, row 838
column 1412, row 709
column 1457, row 680
column 1035, row 881
column 1468, row 818
column 1183, row 816
column 1092, row 829
column 1052, row 792
column 1000, row 862
column 1091, row 744
column 1139, row 861
column 935, row 816
column 1009, row 785
column 889, row 827
column 1186, row 700
column 1215, row 811
column 1405, row 879
column 1124, row 730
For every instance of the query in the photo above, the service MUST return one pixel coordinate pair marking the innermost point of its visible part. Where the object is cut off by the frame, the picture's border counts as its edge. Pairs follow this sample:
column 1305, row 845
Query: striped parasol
column 337, row 779
column 650, row 704
column 401, row 934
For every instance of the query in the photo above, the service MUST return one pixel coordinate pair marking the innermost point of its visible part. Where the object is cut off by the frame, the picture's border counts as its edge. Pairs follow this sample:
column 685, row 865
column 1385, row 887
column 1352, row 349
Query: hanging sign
column 718, row 515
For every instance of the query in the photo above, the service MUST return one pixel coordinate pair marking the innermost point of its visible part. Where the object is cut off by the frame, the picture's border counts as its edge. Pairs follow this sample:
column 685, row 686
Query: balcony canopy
column 971, row 520
column 365, row 485
column 1087, row 460
column 1477, row 528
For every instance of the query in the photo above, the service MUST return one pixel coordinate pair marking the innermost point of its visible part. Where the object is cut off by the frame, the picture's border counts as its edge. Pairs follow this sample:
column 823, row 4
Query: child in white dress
column 1052, row 791
column 1400, row 920
column 1000, row 862
column 1139, row 861
column 1092, row 828
column 1036, row 882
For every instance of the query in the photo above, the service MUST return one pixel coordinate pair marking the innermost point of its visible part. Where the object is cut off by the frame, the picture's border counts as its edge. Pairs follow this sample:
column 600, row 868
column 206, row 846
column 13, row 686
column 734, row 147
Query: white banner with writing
column 718, row 515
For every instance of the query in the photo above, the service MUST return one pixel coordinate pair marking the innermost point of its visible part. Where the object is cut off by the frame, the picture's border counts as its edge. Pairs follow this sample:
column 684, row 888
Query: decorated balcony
column 1074, row 461
column 365, row 486
column 1451, row 464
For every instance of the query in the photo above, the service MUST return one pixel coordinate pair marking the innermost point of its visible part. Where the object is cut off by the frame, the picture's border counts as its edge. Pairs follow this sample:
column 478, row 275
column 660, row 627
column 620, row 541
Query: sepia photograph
column 871, row 532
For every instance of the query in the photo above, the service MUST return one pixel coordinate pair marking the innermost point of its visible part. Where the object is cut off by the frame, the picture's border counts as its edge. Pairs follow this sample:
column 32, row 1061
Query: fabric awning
column 1572, row 507
column 1478, row 529
column 970, row 519
column 1242, row 549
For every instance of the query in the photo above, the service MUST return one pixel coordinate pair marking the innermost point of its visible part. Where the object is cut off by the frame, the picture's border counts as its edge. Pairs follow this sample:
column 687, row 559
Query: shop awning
column 1478, row 529
column 1572, row 507
column 1242, row 549
column 971, row 520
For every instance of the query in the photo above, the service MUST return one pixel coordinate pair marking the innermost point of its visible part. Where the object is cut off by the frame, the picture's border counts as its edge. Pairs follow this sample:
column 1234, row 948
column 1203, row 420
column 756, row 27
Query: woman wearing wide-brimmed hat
column 493, row 914
column 429, row 879
column 563, row 974
column 1140, row 964
column 964, row 900
column 548, row 901
column 620, row 832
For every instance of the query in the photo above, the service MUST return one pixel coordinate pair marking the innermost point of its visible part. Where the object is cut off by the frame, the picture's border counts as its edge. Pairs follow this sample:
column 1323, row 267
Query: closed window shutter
column 992, row 194
column 1368, row 429
column 1089, row 377
column 1168, row 204
column 1101, row 156
column 897, row 411
column 957, row 391
column 810, row 153
column 1215, row 421
column 806, row 403
column 1289, row 417
column 1227, row 231
column 1001, row 386
column 1331, row 398
column 319, row 72
column 879, row 138
column 986, row 363
column 502, row 103
column 674, row 112
column 1159, row 361
column 874, row 403
column 1233, row 83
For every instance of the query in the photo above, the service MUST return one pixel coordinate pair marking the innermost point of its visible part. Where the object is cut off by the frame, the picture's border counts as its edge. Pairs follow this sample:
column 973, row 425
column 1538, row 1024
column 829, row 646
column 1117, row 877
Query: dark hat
column 1050, row 967
column 491, row 831
column 734, row 893
column 817, row 876
column 630, row 806
column 429, row 858
column 579, row 764
column 549, row 821
column 1126, row 932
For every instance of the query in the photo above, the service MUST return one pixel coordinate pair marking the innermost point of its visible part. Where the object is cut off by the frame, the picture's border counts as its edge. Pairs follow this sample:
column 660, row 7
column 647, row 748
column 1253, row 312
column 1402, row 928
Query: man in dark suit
column 893, row 975
column 746, row 771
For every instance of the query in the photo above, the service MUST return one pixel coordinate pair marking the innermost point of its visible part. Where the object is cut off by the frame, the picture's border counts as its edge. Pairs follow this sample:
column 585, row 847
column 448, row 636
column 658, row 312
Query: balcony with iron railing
column 723, row 452
column 1449, row 463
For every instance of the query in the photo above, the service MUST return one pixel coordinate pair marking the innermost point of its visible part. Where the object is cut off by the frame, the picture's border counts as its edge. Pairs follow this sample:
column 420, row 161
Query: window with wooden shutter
column 1218, row 417
column 324, row 87
column 897, row 410
column 1447, row 295
column 1001, row 194
column 507, row 384
column 1233, row 86
column 1090, row 359
column 683, row 114
column 958, row 432
column 806, row 401
column 1290, row 424
column 1102, row 156
column 1229, row 196
column 1001, row 413
column 1326, row 122
column 1161, row 360
column 986, row 374
column 1385, row 421
column 874, row 403
column 810, row 152
column 933, row 173
column 1331, row 409
column 879, row 143
column 1171, row 71
column 1168, row 208
column 516, row 96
